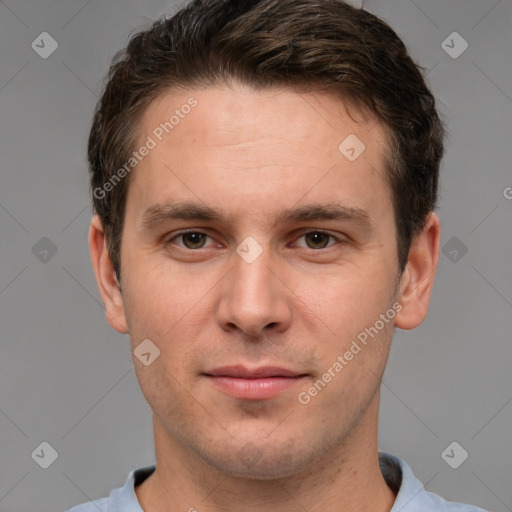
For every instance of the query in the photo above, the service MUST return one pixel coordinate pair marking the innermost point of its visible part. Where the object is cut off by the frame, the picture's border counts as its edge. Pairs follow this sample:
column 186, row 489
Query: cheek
column 163, row 389
column 167, row 309
column 158, row 299
column 161, row 318
column 346, row 300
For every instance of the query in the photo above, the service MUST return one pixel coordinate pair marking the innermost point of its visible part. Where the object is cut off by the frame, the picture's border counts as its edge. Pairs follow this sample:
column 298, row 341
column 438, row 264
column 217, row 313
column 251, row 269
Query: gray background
column 66, row 376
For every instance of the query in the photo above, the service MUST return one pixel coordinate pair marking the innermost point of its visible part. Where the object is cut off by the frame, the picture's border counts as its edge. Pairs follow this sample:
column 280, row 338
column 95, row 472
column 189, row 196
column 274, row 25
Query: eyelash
column 169, row 241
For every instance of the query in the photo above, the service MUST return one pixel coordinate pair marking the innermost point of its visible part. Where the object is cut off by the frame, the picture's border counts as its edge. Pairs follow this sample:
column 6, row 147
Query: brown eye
column 188, row 240
column 317, row 239
column 193, row 240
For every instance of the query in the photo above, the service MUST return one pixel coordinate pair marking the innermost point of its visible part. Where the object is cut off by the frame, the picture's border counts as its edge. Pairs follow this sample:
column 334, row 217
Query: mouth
column 254, row 384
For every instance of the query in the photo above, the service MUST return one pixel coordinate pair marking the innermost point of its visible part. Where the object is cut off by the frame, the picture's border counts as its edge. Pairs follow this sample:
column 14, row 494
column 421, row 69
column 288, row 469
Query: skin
column 299, row 305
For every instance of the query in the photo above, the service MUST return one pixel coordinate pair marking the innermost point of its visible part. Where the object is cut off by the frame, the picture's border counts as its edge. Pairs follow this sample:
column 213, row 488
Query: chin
column 263, row 460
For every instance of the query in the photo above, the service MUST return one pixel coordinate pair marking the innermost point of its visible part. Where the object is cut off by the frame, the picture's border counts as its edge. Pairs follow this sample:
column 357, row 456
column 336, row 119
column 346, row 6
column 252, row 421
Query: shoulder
column 411, row 494
column 121, row 499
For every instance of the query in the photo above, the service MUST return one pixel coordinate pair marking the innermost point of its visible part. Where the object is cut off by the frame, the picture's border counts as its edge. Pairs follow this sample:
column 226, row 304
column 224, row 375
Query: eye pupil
column 317, row 238
column 195, row 238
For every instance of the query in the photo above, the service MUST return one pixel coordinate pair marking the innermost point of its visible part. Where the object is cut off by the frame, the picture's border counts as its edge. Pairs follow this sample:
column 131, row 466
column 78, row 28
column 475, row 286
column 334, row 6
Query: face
column 259, row 257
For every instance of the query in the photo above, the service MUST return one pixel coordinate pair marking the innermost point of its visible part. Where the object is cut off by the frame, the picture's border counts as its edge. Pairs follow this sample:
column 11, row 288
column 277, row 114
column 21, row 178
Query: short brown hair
column 265, row 43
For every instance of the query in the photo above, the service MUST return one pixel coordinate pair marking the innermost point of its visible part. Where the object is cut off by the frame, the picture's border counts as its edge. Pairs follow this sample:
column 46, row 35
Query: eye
column 190, row 239
column 318, row 239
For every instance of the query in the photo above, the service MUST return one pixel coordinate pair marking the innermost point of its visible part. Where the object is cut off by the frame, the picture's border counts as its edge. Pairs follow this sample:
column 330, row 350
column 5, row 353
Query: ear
column 108, row 285
column 418, row 276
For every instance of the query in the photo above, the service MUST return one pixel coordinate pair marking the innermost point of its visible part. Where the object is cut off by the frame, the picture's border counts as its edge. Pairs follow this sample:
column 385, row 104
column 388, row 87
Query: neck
column 346, row 478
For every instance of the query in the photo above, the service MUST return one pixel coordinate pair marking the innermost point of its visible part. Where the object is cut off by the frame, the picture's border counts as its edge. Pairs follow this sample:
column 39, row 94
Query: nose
column 254, row 297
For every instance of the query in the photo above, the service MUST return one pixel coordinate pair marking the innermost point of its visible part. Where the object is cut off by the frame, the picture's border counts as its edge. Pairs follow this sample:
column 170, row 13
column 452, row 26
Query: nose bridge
column 252, row 296
column 252, row 278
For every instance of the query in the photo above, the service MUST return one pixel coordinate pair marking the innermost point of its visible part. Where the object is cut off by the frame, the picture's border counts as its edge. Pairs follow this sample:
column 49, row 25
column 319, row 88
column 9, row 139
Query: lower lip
column 255, row 389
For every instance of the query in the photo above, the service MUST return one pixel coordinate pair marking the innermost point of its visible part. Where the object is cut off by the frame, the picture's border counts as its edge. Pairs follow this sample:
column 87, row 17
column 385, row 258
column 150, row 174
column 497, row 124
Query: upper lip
column 255, row 373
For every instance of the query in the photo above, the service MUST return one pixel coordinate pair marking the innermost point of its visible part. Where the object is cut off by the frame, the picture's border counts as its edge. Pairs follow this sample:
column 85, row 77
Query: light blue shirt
column 411, row 495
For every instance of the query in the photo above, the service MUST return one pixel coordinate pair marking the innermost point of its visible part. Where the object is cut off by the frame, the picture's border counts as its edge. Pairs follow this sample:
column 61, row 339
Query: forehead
column 240, row 148
column 234, row 113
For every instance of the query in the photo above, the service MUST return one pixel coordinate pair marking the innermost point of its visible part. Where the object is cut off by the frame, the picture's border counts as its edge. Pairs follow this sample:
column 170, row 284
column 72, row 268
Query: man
column 264, row 175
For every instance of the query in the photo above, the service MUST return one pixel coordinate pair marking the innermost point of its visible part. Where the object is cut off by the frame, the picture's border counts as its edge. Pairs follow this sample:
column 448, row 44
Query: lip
column 241, row 372
column 253, row 384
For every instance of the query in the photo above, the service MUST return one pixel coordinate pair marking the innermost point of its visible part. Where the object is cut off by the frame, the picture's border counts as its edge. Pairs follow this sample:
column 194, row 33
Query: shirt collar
column 396, row 472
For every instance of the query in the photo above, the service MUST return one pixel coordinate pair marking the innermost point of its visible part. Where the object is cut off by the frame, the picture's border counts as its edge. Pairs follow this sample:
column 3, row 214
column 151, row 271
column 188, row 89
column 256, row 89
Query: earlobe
column 418, row 277
column 106, row 279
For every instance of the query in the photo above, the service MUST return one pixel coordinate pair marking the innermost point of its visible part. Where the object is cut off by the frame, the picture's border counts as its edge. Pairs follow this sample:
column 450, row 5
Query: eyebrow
column 187, row 210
